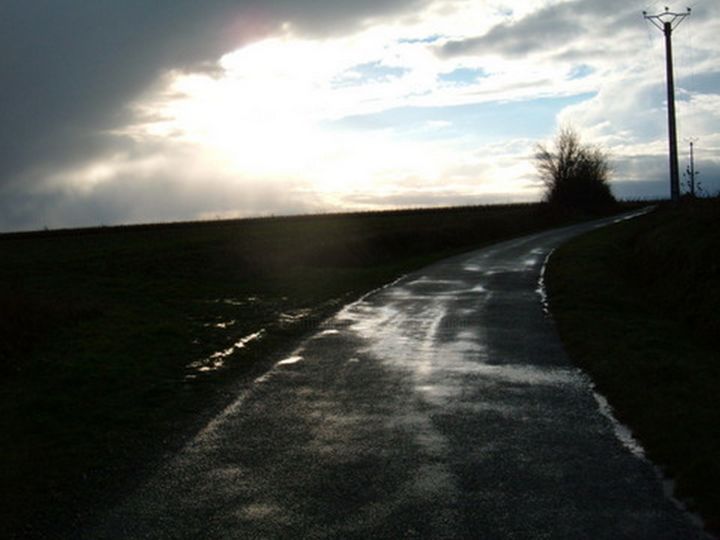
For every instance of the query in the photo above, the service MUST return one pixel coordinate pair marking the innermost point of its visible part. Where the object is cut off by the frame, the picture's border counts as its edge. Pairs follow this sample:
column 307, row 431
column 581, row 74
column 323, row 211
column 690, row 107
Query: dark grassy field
column 637, row 307
column 115, row 341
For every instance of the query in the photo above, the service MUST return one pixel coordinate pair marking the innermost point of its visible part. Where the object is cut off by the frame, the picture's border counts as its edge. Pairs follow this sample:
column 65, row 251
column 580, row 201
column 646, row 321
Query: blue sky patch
column 704, row 83
column 429, row 39
column 485, row 122
column 580, row 72
column 368, row 72
column 463, row 76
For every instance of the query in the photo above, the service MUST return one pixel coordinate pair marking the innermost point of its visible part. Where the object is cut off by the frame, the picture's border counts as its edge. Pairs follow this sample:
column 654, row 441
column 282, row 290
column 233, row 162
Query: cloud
column 69, row 69
column 424, row 199
column 570, row 28
column 150, row 184
column 546, row 29
column 125, row 111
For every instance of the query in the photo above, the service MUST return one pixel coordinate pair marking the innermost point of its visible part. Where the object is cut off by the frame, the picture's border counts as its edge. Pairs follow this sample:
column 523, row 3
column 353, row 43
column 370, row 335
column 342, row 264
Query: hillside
column 637, row 307
column 115, row 343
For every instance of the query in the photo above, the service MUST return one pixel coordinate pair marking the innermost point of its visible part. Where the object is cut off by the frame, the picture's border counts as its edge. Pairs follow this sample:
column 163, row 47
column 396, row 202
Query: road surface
column 442, row 406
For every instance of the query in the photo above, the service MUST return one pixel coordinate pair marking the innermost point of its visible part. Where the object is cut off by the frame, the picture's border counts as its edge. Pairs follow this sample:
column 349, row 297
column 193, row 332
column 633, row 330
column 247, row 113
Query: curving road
column 442, row 406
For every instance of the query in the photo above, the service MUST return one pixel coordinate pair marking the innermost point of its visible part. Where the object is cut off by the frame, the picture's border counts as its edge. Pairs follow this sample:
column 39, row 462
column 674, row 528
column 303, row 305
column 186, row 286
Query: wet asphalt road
column 442, row 406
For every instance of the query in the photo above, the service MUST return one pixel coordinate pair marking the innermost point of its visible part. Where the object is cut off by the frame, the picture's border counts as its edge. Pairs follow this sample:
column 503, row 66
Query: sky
column 115, row 112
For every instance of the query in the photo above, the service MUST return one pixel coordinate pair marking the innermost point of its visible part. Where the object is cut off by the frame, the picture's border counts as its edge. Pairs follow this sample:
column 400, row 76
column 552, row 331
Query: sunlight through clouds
column 275, row 111
column 278, row 108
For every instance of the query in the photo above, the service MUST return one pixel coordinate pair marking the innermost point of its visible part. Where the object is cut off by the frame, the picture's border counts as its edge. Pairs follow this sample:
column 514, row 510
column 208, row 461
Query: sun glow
column 300, row 110
column 271, row 112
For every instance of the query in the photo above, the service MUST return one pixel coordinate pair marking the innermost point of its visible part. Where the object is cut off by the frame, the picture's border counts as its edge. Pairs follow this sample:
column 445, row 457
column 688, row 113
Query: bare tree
column 575, row 174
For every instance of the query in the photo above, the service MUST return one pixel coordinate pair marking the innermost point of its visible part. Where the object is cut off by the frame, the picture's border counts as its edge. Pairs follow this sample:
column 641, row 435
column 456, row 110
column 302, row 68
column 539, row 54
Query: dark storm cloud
column 68, row 68
column 647, row 176
column 175, row 188
column 549, row 29
column 136, row 199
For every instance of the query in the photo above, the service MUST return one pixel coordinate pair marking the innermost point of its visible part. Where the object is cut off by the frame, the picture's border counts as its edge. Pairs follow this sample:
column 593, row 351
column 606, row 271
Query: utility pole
column 667, row 21
column 691, row 172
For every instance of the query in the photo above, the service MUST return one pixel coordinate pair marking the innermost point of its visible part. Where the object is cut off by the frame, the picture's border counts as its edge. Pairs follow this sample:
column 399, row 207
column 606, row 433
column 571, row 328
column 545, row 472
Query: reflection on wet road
column 441, row 406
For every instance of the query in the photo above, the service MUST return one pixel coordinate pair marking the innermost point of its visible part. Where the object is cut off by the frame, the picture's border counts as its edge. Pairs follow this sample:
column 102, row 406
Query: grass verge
column 114, row 341
column 636, row 305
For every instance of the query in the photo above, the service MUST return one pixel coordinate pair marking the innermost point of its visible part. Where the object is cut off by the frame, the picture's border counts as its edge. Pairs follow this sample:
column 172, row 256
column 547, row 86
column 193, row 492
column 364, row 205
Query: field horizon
column 224, row 221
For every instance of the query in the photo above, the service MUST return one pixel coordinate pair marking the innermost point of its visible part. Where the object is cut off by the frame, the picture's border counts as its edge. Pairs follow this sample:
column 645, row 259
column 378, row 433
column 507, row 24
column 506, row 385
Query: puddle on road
column 217, row 359
column 224, row 324
column 328, row 332
column 528, row 374
column 541, row 289
column 424, row 280
column 260, row 512
column 289, row 361
column 289, row 317
column 234, row 301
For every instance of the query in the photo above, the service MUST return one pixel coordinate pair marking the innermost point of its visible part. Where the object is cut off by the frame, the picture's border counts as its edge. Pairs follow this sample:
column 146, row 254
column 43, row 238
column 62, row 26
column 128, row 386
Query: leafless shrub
column 575, row 175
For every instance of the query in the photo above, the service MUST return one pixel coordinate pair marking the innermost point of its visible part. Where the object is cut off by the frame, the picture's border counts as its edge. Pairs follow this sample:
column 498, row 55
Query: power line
column 667, row 21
